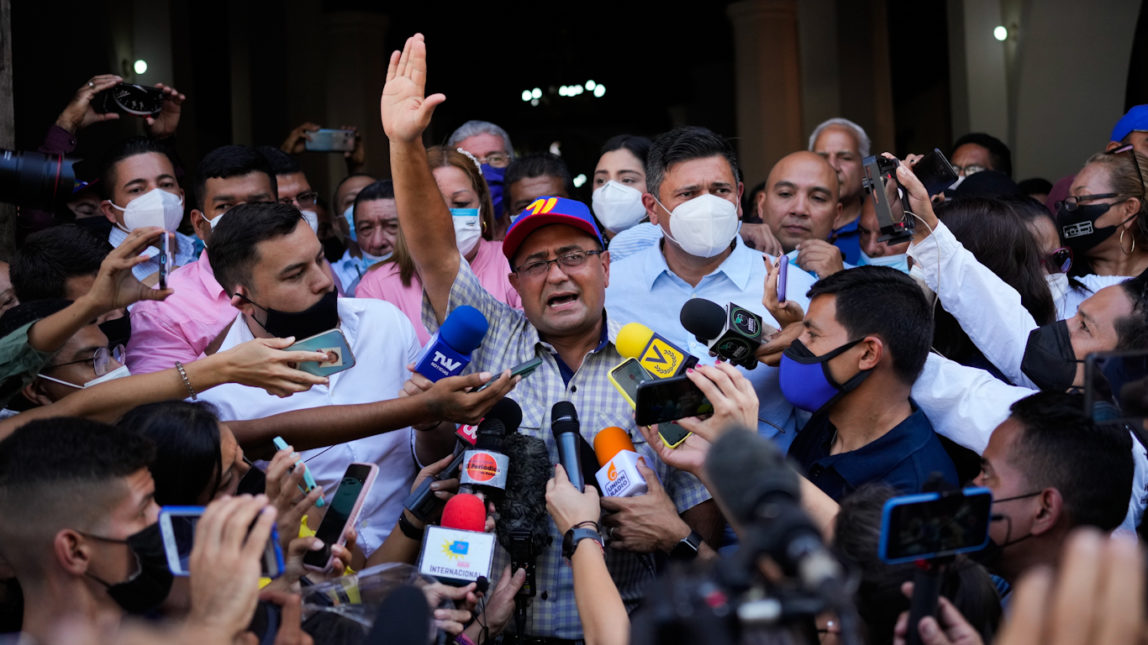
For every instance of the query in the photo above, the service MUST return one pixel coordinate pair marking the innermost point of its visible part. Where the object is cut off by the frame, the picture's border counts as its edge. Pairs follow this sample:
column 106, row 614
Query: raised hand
column 404, row 107
column 786, row 312
column 163, row 125
column 296, row 141
column 115, row 285
column 78, row 113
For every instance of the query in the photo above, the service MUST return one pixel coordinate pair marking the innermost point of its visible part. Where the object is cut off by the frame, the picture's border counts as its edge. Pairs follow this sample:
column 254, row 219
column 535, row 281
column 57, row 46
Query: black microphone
column 731, row 332
column 523, row 522
column 762, row 493
column 564, row 423
column 422, row 502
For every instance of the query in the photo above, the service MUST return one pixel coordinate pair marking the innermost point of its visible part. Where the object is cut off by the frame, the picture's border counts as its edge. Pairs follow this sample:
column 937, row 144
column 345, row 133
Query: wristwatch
column 687, row 548
column 574, row 536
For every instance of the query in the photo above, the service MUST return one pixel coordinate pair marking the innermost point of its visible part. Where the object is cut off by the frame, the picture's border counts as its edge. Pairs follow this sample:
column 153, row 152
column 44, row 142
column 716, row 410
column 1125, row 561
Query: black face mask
column 254, row 482
column 1078, row 227
column 319, row 317
column 148, row 587
column 1048, row 357
column 990, row 556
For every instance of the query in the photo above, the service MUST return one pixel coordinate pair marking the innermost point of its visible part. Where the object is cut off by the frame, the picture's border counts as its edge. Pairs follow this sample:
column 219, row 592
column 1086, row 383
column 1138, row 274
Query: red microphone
column 464, row 512
column 459, row 552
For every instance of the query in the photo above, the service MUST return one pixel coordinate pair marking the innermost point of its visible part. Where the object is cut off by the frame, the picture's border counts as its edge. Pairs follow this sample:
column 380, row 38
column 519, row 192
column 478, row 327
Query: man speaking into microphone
column 560, row 270
column 694, row 196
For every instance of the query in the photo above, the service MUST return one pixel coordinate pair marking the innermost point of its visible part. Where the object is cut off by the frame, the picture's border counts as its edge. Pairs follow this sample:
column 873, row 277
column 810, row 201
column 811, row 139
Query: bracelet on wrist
column 410, row 530
column 186, row 381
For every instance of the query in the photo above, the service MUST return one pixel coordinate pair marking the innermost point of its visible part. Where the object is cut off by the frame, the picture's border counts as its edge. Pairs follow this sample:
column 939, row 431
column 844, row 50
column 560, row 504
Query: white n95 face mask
column 1057, row 286
column 704, row 226
column 157, row 207
column 467, row 228
column 618, row 206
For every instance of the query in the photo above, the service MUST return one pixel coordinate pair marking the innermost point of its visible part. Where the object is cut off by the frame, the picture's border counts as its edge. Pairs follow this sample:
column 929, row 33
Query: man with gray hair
column 844, row 144
column 490, row 145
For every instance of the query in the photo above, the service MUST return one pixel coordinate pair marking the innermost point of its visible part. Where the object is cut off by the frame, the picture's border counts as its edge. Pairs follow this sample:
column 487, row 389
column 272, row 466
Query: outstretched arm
column 427, row 227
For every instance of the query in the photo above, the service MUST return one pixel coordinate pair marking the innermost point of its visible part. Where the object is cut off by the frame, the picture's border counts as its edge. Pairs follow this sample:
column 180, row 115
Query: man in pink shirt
column 182, row 326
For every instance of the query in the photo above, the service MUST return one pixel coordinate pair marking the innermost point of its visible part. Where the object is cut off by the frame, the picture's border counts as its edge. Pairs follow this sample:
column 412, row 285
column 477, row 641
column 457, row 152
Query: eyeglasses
column 1073, row 202
column 303, row 199
column 569, row 260
column 496, row 159
column 1059, row 261
column 971, row 169
column 1135, row 163
column 100, row 359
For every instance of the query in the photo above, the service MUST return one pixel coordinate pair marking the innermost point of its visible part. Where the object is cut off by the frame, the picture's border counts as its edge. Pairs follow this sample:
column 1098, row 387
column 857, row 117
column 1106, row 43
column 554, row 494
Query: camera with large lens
column 36, row 179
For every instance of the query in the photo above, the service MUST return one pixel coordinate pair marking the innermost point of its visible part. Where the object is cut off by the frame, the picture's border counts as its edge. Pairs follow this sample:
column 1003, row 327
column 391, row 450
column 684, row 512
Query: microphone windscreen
column 463, row 329
column 745, row 469
column 404, row 618
column 609, row 442
column 632, row 339
column 464, row 512
column 523, row 508
column 702, row 318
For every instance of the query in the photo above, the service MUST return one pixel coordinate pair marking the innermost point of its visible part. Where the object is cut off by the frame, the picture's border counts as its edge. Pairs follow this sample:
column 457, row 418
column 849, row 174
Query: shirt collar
column 117, row 236
column 207, row 276
column 737, row 267
column 872, row 461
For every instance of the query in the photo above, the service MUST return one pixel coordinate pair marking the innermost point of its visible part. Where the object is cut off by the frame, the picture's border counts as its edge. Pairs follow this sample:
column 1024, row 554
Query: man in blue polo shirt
column 866, row 336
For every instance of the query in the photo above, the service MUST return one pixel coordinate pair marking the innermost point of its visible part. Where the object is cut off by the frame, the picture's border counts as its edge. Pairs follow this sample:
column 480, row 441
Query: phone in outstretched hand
column 782, row 277
column 177, row 526
column 343, row 512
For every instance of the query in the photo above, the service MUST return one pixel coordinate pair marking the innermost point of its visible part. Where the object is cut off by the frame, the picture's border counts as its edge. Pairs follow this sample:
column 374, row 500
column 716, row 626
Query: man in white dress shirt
column 269, row 260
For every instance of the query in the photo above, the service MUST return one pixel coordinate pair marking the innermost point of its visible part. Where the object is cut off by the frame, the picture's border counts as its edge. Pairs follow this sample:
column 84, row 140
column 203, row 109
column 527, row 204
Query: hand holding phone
column 308, row 484
column 178, row 527
column 344, row 511
column 332, row 343
column 669, row 399
column 327, row 140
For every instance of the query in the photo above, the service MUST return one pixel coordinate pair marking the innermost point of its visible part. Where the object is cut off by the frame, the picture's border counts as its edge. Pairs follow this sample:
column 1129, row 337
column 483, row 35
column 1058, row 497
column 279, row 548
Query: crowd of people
column 149, row 360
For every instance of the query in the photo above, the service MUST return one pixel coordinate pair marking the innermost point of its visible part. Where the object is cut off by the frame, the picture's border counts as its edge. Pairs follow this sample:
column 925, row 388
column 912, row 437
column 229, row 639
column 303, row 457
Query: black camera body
column 880, row 181
column 129, row 99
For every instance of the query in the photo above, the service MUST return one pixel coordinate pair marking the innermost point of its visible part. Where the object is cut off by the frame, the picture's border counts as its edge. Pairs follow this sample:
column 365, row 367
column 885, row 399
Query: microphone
column 422, row 502
column 523, row 521
column 448, row 351
column 731, row 332
column 762, row 493
column 564, row 424
column 458, row 551
column 657, row 355
column 484, row 467
column 619, row 475
column 403, row 618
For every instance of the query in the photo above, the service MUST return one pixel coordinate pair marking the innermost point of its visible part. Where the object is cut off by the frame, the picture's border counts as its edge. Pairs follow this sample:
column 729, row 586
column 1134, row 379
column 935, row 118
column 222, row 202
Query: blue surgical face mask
column 494, row 181
column 898, row 261
column 805, row 379
column 349, row 215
